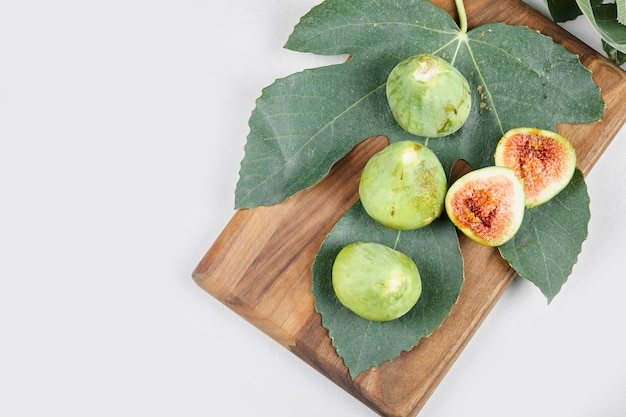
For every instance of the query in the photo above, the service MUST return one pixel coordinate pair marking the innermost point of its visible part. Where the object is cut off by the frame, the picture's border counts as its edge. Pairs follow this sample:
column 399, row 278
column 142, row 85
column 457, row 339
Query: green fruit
column 376, row 282
column 428, row 96
column 545, row 160
column 403, row 186
column 487, row 205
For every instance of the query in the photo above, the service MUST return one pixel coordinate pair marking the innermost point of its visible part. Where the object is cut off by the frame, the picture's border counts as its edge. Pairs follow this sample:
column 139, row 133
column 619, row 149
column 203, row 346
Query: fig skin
column 428, row 96
column 487, row 205
column 403, row 186
column 545, row 160
column 376, row 282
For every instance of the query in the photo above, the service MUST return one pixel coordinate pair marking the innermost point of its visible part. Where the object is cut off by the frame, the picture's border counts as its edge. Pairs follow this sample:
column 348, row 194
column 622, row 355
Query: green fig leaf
column 615, row 56
column 621, row 11
column 550, row 239
column 363, row 343
column 604, row 19
column 563, row 10
column 302, row 124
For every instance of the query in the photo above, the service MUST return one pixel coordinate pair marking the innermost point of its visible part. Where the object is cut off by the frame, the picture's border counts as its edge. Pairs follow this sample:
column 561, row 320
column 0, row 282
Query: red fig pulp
column 487, row 205
column 545, row 160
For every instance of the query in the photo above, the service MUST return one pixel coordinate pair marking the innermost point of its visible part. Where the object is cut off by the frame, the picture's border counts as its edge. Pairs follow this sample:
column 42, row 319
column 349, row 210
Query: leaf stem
column 460, row 8
column 395, row 245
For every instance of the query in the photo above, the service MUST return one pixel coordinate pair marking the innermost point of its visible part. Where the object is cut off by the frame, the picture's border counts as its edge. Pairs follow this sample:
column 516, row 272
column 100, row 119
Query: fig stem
column 460, row 8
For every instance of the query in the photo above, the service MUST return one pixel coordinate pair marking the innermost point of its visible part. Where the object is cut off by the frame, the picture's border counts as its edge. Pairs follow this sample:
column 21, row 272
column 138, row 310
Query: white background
column 122, row 126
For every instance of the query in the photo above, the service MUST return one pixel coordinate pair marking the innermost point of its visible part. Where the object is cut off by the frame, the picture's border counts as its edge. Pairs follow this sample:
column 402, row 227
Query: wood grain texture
column 260, row 265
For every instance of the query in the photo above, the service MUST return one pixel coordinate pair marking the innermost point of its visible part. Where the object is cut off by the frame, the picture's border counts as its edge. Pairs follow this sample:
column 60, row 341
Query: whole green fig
column 375, row 281
column 403, row 186
column 428, row 97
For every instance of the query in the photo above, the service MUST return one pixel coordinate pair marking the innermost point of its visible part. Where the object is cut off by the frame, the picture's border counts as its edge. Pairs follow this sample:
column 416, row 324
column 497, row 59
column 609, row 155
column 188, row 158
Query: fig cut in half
column 375, row 281
column 487, row 205
column 403, row 186
column 545, row 160
column 428, row 96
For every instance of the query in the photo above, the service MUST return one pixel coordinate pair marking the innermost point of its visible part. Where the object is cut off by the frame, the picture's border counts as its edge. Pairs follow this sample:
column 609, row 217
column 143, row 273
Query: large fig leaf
column 364, row 343
column 604, row 18
column 549, row 241
column 304, row 123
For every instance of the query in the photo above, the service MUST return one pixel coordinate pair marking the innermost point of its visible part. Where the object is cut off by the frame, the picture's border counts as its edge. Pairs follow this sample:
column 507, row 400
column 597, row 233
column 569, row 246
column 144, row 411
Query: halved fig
column 375, row 281
column 487, row 205
column 545, row 160
column 403, row 186
column 428, row 96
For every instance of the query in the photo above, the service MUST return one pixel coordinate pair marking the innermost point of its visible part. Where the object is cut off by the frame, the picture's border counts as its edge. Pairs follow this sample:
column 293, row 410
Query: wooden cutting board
column 260, row 265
